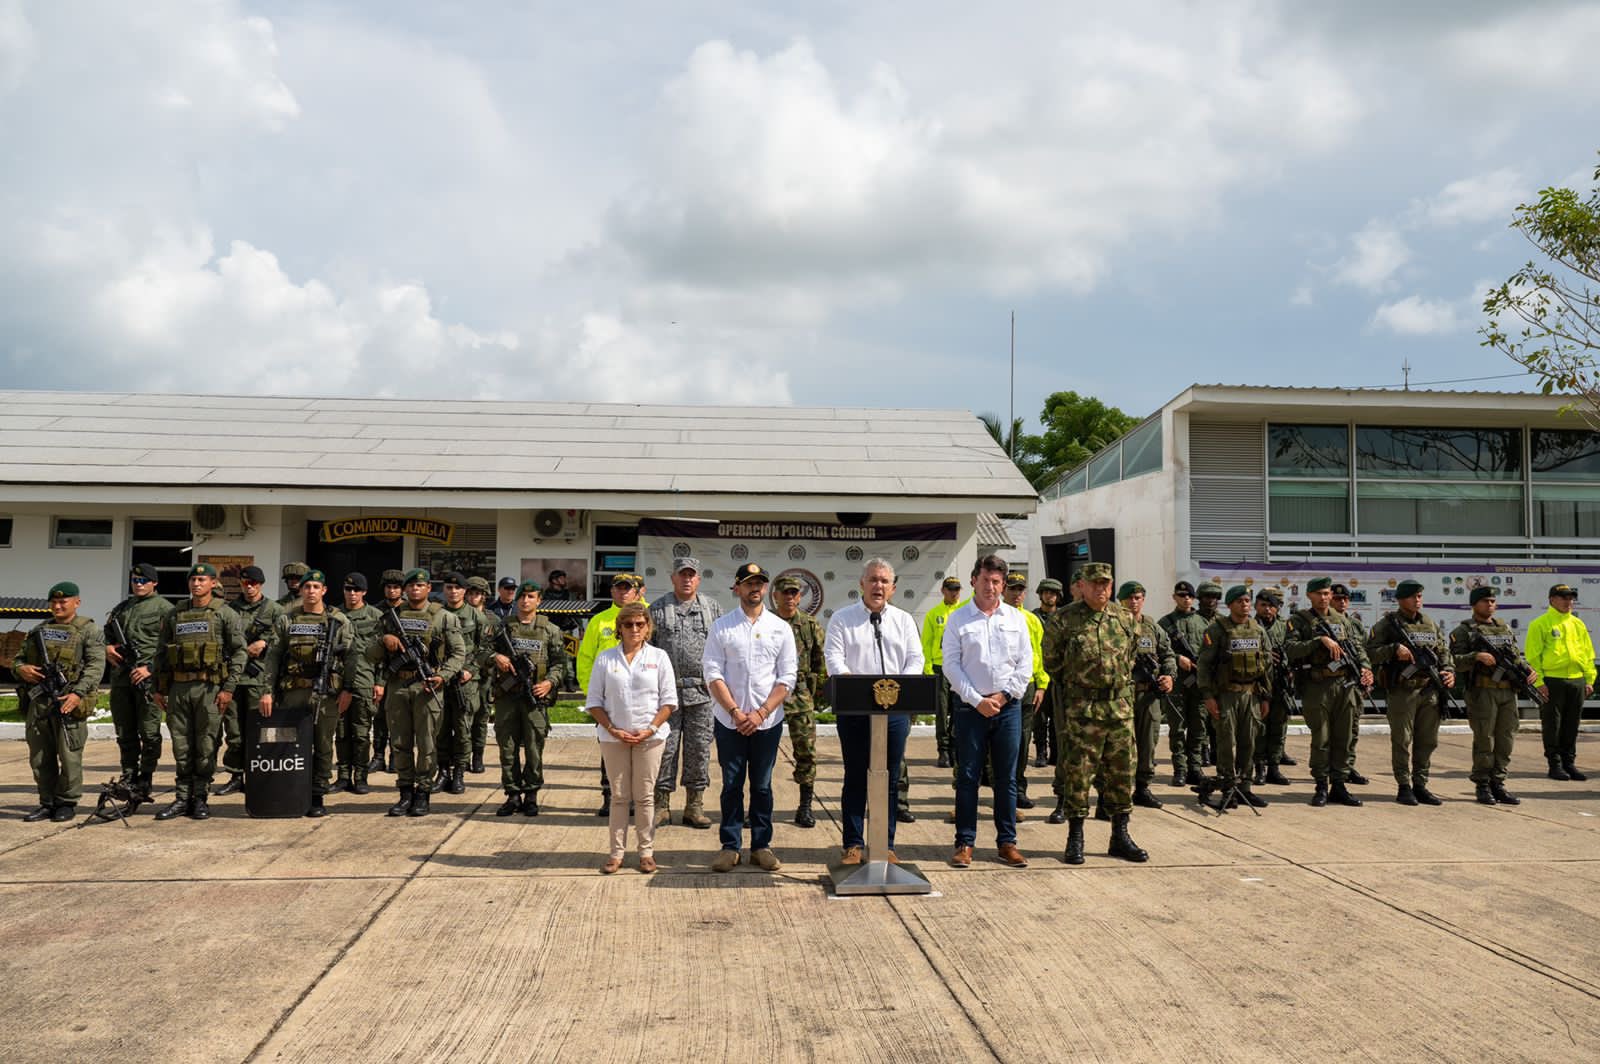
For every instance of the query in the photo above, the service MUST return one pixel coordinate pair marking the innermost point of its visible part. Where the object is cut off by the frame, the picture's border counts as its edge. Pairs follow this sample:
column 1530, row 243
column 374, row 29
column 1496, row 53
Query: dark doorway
column 1064, row 555
column 369, row 556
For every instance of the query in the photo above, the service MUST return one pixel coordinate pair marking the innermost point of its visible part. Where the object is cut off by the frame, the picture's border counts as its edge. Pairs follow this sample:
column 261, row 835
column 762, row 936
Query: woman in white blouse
column 632, row 692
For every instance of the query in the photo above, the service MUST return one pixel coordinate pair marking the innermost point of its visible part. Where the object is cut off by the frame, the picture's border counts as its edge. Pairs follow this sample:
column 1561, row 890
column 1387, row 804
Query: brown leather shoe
column 647, row 865
column 1010, row 855
column 962, row 858
column 852, row 855
column 611, row 865
column 891, row 858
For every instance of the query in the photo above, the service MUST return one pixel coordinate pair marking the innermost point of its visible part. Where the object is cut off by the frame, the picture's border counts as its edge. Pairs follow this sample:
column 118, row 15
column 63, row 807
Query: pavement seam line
column 944, row 981
column 358, row 934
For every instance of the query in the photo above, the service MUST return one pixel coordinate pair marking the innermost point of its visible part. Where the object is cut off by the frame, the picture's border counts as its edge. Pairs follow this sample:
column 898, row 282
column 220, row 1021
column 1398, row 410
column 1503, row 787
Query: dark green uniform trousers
column 1329, row 708
column 1413, row 732
column 55, row 753
column 520, row 730
column 1492, row 713
column 1239, row 712
column 194, row 722
column 414, row 713
column 138, row 723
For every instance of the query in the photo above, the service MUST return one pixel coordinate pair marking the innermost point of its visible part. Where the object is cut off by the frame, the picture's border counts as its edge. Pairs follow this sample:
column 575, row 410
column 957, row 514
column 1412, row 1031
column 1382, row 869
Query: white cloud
column 1378, row 252
column 16, row 43
column 1543, row 47
column 1302, row 296
column 1416, row 316
column 1486, row 197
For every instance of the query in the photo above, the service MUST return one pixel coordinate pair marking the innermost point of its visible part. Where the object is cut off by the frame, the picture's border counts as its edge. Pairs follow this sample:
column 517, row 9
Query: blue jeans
column 855, row 742
column 752, row 755
column 981, row 740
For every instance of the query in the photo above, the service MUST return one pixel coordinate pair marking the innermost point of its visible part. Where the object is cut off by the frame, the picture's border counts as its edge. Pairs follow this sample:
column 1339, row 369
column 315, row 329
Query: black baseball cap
column 508, row 583
column 749, row 571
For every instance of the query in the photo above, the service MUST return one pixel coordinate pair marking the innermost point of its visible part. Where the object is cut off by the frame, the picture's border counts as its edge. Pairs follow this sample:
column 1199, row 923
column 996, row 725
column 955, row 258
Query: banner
column 826, row 558
column 1522, row 592
column 343, row 528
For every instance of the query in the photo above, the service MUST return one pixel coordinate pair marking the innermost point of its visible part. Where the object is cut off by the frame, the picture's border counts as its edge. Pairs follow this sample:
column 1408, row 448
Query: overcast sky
column 815, row 203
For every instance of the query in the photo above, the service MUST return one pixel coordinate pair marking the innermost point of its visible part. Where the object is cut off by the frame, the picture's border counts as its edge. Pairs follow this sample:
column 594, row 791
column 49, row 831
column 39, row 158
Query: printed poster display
column 825, row 557
column 228, row 568
column 1522, row 592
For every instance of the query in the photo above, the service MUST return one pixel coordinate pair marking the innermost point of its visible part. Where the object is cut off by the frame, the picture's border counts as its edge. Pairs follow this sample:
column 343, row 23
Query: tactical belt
column 298, row 684
column 1493, row 685
column 406, row 675
column 180, row 676
column 1251, row 686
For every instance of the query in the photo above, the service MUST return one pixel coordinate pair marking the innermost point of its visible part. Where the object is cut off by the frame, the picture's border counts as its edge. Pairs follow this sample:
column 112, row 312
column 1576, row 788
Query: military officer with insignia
column 259, row 616
column 1409, row 694
column 133, row 707
column 599, row 636
column 1341, row 602
column 1270, row 750
column 683, row 618
column 414, row 703
column 69, row 652
column 1491, row 694
column 200, row 657
column 1235, row 665
column 292, row 572
column 305, row 635
column 1186, row 733
column 354, row 741
column 522, row 708
column 477, row 594
column 393, row 595
column 1156, row 665
column 1330, row 687
column 933, row 663
column 800, row 708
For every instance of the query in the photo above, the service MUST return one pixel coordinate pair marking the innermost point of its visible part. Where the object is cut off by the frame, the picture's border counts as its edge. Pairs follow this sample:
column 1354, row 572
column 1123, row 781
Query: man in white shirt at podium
column 870, row 637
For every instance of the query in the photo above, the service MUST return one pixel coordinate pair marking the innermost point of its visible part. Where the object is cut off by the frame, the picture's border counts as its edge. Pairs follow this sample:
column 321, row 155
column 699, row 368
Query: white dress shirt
column 850, row 648
column 632, row 693
column 751, row 657
column 987, row 654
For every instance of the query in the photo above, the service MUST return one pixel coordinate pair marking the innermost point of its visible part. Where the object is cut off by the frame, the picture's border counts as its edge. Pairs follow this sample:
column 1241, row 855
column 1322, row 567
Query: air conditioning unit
column 557, row 524
column 213, row 520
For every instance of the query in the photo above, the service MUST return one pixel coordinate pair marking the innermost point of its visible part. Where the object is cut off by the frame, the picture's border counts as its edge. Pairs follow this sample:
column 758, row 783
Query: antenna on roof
column 1405, row 370
column 1011, row 422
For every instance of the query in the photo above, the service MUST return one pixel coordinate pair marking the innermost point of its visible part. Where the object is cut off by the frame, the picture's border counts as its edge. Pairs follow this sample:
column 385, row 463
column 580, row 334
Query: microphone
column 877, row 634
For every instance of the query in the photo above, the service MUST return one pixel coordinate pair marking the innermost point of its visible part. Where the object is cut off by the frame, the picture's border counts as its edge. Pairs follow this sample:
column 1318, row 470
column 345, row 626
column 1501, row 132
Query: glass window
column 1561, row 454
column 1451, row 454
column 1308, row 450
column 1106, row 467
column 92, row 532
column 1075, row 481
column 151, row 531
column 5, row 531
column 1141, row 449
column 1309, row 506
column 1439, row 509
column 1567, row 512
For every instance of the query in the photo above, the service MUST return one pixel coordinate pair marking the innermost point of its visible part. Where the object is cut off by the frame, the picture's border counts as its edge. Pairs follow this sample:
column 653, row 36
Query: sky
column 820, row 203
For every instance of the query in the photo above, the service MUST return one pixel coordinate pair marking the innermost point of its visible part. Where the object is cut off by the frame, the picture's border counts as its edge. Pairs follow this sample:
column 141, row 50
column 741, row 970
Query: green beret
column 529, row 585
column 1407, row 588
column 1237, row 591
column 203, row 569
column 65, row 589
column 786, row 583
column 1049, row 584
column 1477, row 593
column 418, row 576
column 1097, row 571
column 1319, row 583
column 1209, row 587
column 1129, row 589
column 316, row 575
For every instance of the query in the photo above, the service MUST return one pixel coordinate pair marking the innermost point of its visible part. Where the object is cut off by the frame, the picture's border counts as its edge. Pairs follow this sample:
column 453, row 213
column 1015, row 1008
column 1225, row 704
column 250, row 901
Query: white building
column 91, row 484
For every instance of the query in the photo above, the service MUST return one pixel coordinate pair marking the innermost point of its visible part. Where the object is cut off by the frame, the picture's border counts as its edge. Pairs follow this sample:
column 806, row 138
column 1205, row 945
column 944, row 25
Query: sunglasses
column 634, row 624
column 141, row 581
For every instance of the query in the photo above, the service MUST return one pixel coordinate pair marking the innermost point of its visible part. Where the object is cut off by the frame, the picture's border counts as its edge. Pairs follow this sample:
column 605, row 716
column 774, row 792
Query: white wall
column 1139, row 510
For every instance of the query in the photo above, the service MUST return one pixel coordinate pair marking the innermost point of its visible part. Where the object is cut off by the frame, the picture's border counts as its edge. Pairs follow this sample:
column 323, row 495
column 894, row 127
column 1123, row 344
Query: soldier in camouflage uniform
column 393, row 582
column 521, row 722
column 461, row 695
column 133, row 706
column 259, row 616
column 1186, row 734
column 291, row 669
column 1091, row 645
column 292, row 572
column 1153, row 679
column 1330, row 687
column 354, row 741
column 1235, row 664
column 1411, row 699
column 683, row 618
column 414, row 705
column 57, row 729
column 1358, row 632
column 1270, row 752
column 800, row 708
column 477, row 594
column 1491, row 695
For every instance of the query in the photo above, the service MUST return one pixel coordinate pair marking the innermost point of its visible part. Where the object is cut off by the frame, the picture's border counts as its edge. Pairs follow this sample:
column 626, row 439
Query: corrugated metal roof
column 262, row 442
column 992, row 534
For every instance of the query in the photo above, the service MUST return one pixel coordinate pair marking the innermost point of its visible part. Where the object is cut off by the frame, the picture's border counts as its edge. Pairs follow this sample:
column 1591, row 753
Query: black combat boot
column 198, row 809
column 403, row 806
column 477, row 760
column 903, row 815
column 1405, row 796
column 1570, row 767
column 234, row 785
column 1192, row 777
column 344, row 781
column 43, row 813
column 63, row 814
column 1320, row 798
column 944, row 760
column 316, row 809
column 802, row 815
column 1206, row 757
column 530, row 805
column 1254, row 800
column 1275, row 776
column 1556, row 771
column 1287, row 760
column 377, row 763
column 1261, row 772
column 1485, row 795
column 1060, row 814
column 419, row 803
column 1339, row 794
column 1356, row 779
column 358, row 782
column 1144, row 799
column 458, row 780
column 1425, row 796
column 1122, row 844
column 178, row 808
column 1074, row 854
column 141, row 788
column 1178, row 778
column 1023, row 801
column 1100, row 811
column 1503, row 796
column 512, row 804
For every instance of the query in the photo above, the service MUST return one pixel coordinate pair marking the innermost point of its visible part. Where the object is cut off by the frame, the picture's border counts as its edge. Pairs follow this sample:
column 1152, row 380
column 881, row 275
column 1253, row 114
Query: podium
column 878, row 696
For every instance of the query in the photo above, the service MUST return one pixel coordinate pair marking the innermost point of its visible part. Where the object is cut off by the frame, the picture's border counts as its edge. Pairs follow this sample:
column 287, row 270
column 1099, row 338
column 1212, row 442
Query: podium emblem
column 886, row 692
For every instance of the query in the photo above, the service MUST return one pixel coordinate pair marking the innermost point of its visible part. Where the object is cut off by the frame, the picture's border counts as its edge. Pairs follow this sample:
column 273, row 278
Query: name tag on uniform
column 414, row 624
column 1146, row 643
column 305, row 629
column 56, row 635
column 528, row 646
column 1497, row 640
column 1336, row 629
column 193, row 628
column 1424, row 639
column 1242, row 643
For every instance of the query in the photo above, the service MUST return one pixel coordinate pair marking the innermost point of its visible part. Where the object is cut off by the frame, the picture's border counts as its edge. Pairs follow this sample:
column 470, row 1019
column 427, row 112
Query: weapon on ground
column 1425, row 659
column 116, row 802
column 1509, row 665
column 522, row 667
column 119, row 636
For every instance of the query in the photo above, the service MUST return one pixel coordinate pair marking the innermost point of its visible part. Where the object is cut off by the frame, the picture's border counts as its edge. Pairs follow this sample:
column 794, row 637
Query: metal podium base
column 878, row 877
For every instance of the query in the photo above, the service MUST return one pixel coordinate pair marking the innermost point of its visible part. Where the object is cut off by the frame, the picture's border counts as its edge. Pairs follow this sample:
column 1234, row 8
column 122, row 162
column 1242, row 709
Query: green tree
column 1075, row 427
column 1546, row 316
column 1023, row 448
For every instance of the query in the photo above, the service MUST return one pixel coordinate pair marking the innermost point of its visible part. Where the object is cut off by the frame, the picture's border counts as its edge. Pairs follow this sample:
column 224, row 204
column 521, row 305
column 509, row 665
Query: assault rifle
column 119, row 637
column 54, row 685
column 260, row 628
column 1180, row 645
column 326, row 659
column 1348, row 664
column 522, row 667
column 1146, row 669
column 1424, row 659
column 1509, row 665
column 1283, row 679
column 413, row 655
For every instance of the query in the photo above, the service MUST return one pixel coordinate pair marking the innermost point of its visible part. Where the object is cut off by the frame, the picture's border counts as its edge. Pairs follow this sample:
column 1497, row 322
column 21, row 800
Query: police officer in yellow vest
column 60, row 666
column 933, row 663
column 1562, row 652
column 200, row 654
column 307, row 664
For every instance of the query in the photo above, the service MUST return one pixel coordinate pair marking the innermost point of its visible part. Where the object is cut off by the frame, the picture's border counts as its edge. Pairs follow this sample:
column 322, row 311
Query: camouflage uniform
column 55, row 741
column 380, row 719
column 259, row 620
column 1327, row 699
column 800, row 709
column 1186, row 737
column 1234, row 662
column 1091, row 654
column 681, row 629
column 1411, row 702
column 1491, row 699
column 355, row 726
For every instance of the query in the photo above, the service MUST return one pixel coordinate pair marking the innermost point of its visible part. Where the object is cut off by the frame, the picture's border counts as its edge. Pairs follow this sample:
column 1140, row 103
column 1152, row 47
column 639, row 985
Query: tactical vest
column 532, row 644
column 1500, row 636
column 1425, row 637
column 197, row 641
column 1248, row 652
column 64, row 645
column 1336, row 624
column 305, row 632
column 419, row 625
